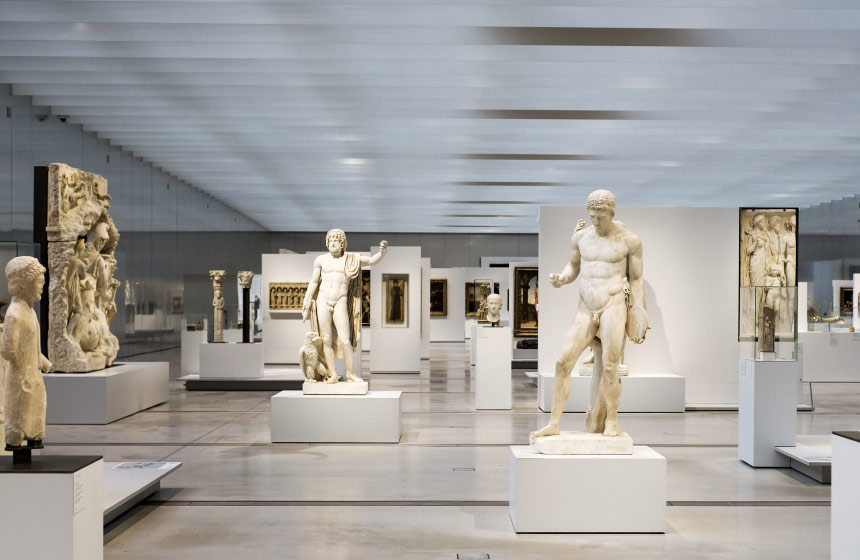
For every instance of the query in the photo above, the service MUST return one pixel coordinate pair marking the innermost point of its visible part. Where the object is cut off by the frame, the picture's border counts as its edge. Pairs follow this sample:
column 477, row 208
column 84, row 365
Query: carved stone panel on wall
column 287, row 296
column 82, row 239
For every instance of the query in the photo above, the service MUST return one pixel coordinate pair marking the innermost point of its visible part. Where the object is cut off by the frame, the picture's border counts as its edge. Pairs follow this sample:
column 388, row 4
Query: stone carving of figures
column 76, row 273
column 217, row 277
column 25, row 399
column 757, row 251
column 788, row 251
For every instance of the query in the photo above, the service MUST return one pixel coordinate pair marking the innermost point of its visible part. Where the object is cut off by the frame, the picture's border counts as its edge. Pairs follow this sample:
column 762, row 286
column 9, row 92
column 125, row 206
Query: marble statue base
column 340, row 388
column 587, row 370
column 584, row 443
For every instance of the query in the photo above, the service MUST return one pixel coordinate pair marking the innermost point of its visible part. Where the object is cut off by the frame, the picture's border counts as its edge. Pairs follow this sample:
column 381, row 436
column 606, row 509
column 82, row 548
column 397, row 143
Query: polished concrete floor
column 443, row 490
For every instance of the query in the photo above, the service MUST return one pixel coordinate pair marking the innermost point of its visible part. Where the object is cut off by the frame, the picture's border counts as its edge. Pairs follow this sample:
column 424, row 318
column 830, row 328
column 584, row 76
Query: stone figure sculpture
column 494, row 307
column 82, row 239
column 217, row 277
column 602, row 256
column 24, row 399
column 311, row 362
column 333, row 300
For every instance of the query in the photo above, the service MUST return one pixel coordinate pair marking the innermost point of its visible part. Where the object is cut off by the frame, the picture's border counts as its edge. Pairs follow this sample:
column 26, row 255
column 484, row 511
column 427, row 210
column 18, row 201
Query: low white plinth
column 845, row 496
column 370, row 418
column 190, row 351
column 52, row 509
column 100, row 397
column 767, row 411
column 588, row 493
column 652, row 392
column 584, row 443
column 127, row 483
column 340, row 388
column 233, row 360
column 232, row 335
column 493, row 368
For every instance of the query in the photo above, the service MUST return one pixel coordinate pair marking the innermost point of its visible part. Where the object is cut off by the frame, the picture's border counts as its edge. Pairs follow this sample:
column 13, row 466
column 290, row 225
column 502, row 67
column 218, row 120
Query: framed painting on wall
column 438, row 297
column 365, row 298
column 525, row 301
column 395, row 301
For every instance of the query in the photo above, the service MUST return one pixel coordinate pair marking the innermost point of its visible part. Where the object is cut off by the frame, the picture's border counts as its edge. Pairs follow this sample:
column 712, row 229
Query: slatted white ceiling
column 394, row 115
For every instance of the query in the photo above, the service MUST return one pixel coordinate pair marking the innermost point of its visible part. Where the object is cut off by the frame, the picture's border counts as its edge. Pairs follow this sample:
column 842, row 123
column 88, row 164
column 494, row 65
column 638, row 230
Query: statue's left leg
column 611, row 333
column 342, row 322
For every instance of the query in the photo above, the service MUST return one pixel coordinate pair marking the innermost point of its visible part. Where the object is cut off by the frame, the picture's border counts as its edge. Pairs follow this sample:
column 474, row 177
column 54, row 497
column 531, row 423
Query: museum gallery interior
column 456, row 280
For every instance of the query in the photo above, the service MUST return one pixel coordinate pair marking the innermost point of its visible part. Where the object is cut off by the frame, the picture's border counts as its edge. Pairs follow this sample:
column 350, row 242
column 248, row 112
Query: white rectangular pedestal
column 845, row 496
column 190, row 351
column 231, row 360
column 767, row 411
column 655, row 392
column 493, row 368
column 100, row 397
column 370, row 418
column 52, row 509
column 587, row 493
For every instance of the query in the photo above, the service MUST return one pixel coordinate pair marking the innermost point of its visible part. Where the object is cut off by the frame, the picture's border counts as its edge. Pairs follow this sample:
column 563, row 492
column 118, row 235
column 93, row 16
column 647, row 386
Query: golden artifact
column 287, row 296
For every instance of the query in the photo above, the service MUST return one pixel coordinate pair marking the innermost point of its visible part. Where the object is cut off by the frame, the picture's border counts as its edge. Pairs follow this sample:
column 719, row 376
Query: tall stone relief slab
column 217, row 277
column 82, row 239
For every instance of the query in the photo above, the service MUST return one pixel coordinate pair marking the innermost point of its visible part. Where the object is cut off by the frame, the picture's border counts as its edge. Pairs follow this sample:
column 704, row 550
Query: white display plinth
column 232, row 335
column 655, row 392
column 100, row 397
column 128, row 483
column 231, row 360
column 52, row 509
column 190, row 342
column 340, row 388
column 587, row 493
column 493, row 368
column 830, row 356
column 370, row 418
column 767, row 411
column 845, row 496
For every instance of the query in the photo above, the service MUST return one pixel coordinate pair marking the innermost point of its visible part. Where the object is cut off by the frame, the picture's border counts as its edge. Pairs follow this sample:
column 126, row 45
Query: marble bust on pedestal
column 494, row 308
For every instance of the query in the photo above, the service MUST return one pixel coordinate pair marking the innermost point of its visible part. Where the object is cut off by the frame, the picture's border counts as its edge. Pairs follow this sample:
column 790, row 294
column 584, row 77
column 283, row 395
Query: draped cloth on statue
column 352, row 270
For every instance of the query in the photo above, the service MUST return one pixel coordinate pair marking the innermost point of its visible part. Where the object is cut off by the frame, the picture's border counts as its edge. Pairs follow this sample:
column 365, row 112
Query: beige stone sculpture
column 82, row 239
column 217, row 277
column 24, row 398
column 311, row 362
column 333, row 300
column 494, row 308
column 602, row 256
column 245, row 278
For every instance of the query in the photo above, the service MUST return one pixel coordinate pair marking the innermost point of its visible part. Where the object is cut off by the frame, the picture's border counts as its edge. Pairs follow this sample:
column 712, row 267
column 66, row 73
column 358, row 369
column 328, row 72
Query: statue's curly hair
column 337, row 234
column 601, row 199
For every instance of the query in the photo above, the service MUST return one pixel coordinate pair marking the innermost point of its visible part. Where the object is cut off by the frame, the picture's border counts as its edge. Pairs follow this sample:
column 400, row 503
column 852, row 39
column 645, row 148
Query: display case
column 8, row 251
column 768, row 323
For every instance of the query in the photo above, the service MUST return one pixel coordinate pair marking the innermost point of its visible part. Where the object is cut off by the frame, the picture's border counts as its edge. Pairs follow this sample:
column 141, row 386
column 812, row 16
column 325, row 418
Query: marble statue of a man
column 602, row 256
column 333, row 300
column 25, row 397
column 494, row 307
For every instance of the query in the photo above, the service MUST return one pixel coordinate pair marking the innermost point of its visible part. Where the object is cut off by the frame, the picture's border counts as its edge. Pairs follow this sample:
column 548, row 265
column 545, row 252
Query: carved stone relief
column 287, row 296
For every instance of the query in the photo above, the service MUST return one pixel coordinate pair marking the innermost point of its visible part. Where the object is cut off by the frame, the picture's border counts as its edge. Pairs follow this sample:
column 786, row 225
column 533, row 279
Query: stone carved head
column 494, row 303
column 601, row 209
column 26, row 278
column 335, row 241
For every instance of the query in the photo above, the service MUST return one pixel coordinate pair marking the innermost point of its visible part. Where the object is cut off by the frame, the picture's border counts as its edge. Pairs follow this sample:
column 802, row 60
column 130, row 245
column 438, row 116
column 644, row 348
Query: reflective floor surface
column 443, row 490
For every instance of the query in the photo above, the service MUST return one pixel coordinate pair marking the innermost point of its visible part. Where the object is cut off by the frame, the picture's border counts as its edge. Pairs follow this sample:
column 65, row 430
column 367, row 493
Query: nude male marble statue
column 602, row 256
column 333, row 300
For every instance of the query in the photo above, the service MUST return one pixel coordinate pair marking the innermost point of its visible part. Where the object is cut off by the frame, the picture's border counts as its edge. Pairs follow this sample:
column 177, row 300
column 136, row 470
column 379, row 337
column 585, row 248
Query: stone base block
column 52, row 508
column 584, row 443
column 231, row 360
column 370, row 418
column 587, row 493
column 340, row 388
column 100, row 397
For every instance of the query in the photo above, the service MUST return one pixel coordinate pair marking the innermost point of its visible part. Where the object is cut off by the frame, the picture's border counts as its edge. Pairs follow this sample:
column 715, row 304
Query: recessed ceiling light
column 353, row 161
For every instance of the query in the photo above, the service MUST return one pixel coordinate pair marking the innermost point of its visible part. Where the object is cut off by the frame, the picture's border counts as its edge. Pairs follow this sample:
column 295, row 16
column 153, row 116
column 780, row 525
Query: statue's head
column 26, row 278
column 335, row 241
column 759, row 222
column 311, row 337
column 494, row 303
column 100, row 236
column 793, row 221
column 774, row 222
column 774, row 270
column 601, row 209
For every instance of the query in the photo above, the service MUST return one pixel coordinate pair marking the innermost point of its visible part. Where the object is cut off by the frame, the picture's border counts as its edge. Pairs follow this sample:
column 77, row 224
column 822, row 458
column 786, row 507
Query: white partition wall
column 396, row 349
column 450, row 327
column 691, row 288
column 425, row 308
column 284, row 331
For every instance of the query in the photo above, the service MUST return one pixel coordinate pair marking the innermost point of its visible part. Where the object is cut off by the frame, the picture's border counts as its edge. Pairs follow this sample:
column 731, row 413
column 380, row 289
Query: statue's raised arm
column 372, row 260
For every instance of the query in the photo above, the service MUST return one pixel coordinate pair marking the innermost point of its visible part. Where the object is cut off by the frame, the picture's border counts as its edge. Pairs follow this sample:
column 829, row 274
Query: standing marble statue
column 333, row 300
column 602, row 256
column 217, row 277
column 494, row 308
column 24, row 399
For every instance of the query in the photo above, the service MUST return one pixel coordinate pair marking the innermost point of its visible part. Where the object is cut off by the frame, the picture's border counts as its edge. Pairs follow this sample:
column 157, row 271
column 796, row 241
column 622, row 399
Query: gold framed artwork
column 287, row 296
column 365, row 298
column 846, row 301
column 395, row 301
column 525, row 301
column 439, row 297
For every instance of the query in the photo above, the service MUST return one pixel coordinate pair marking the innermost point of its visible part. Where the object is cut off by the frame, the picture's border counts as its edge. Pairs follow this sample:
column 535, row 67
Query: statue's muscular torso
column 333, row 281
column 603, row 265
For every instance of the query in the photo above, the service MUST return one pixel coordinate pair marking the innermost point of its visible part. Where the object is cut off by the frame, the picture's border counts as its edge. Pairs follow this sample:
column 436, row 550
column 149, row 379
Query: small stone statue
column 310, row 362
column 25, row 398
column 494, row 307
column 217, row 277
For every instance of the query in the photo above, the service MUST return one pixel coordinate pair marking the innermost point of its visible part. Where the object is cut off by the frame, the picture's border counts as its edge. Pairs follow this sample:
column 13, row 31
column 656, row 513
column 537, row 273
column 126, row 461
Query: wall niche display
column 287, row 296
column 365, row 298
column 395, row 303
column 768, row 257
column 525, row 301
column 438, row 297
column 82, row 239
